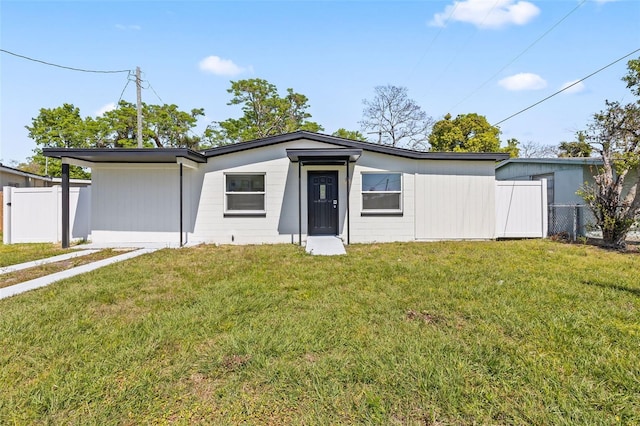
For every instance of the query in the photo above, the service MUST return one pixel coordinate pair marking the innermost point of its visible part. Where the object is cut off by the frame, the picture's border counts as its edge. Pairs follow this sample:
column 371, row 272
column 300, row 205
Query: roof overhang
column 324, row 155
column 124, row 155
column 571, row 161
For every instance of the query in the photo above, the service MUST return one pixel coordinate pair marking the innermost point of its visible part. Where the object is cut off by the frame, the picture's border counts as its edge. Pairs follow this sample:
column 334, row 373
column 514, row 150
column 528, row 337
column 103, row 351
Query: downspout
column 299, row 202
column 181, row 207
column 348, row 209
column 65, row 205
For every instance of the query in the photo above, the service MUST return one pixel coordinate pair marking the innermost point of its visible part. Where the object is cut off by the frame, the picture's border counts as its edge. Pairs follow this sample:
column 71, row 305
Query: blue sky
column 491, row 57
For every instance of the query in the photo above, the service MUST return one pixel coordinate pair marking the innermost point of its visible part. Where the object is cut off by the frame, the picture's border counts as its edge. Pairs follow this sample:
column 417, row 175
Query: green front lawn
column 513, row 332
column 14, row 254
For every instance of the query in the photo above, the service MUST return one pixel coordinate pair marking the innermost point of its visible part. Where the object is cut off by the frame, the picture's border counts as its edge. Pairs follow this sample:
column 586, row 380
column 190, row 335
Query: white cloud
column 523, row 81
column 128, row 27
column 219, row 66
column 108, row 107
column 487, row 13
column 576, row 87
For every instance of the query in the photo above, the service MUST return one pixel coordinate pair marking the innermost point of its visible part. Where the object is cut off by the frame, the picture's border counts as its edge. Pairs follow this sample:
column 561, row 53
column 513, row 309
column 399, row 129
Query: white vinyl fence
column 521, row 209
column 34, row 215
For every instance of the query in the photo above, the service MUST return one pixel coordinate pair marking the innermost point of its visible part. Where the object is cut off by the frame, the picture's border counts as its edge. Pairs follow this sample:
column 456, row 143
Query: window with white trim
column 244, row 193
column 382, row 192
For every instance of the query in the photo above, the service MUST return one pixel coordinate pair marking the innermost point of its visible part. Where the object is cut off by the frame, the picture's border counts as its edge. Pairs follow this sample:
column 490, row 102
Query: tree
column 615, row 134
column 63, row 127
column 531, row 149
column 60, row 127
column 465, row 133
column 395, row 118
column 349, row 134
column 162, row 126
column 579, row 148
column 512, row 148
column 265, row 114
column 167, row 126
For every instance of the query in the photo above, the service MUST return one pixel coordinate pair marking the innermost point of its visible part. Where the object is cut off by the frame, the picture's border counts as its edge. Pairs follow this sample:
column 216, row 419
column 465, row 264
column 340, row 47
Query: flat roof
column 577, row 161
column 126, row 155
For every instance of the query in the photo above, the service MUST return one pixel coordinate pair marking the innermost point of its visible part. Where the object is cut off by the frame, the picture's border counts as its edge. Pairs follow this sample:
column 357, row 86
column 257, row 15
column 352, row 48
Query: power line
column 64, row 67
column 154, row 91
column 125, row 87
column 444, row 24
column 519, row 55
column 565, row 88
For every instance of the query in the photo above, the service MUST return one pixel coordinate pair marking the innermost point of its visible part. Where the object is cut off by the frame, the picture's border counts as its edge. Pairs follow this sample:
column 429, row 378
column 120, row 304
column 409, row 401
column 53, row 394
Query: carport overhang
column 90, row 157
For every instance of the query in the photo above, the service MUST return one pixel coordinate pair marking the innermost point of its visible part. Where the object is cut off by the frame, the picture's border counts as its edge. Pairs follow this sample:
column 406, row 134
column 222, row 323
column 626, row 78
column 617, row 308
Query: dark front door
column 322, row 193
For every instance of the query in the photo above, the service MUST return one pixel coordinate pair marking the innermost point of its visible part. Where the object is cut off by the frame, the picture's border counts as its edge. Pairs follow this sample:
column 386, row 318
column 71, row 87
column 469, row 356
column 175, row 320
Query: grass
column 16, row 277
column 13, row 254
column 512, row 332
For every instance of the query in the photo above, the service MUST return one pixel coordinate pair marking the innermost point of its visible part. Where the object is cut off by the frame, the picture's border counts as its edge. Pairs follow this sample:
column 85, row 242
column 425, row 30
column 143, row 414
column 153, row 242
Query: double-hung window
column 244, row 193
column 381, row 193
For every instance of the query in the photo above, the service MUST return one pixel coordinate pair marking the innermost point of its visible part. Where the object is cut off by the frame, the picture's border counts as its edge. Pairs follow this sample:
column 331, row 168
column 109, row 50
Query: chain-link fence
column 571, row 221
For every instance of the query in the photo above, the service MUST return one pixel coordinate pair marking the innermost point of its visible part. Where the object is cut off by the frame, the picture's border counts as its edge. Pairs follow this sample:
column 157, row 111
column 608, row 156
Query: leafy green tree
column 512, row 148
column 579, row 148
column 397, row 119
column 349, row 134
column 465, row 133
column 64, row 127
column 614, row 132
column 162, row 126
column 60, row 127
column 266, row 113
column 167, row 126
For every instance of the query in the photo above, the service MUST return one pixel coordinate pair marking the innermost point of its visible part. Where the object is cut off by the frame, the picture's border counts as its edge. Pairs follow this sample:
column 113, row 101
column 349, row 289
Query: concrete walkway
column 59, row 258
column 49, row 279
column 325, row 245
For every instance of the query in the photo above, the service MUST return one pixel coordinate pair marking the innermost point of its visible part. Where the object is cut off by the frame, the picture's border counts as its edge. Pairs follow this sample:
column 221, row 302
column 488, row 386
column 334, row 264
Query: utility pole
column 139, row 96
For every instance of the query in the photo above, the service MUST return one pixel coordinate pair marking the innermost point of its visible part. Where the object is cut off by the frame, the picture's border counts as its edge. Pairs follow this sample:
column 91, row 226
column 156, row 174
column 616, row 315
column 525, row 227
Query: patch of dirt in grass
column 235, row 362
column 18, row 277
column 424, row 316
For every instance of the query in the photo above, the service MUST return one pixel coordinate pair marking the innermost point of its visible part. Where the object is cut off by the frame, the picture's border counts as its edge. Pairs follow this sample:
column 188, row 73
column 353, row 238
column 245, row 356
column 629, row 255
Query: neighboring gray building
column 21, row 179
column 565, row 176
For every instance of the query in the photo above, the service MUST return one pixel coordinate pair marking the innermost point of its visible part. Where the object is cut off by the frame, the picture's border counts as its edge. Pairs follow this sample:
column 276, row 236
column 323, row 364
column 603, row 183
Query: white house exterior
column 282, row 189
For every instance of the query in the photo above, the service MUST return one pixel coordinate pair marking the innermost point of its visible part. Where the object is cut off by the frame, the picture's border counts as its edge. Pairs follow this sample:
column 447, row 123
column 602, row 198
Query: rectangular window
column 244, row 193
column 382, row 193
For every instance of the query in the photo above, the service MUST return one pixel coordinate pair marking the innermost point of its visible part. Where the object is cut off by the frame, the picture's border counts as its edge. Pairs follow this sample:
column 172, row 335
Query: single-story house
column 564, row 175
column 10, row 176
column 284, row 188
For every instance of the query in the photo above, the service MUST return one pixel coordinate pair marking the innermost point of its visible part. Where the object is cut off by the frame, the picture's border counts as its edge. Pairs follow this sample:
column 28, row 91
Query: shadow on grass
column 634, row 291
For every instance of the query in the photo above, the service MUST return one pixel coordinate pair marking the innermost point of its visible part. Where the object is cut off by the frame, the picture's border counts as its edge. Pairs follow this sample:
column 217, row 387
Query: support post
column 299, row 202
column 348, row 209
column 65, row 205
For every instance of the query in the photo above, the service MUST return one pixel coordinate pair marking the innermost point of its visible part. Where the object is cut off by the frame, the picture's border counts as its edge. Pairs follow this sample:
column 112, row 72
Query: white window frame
column 381, row 211
column 229, row 212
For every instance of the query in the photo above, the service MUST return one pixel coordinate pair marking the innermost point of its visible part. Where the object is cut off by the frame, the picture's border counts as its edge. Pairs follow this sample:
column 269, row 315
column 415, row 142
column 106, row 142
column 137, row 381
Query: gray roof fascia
column 577, row 161
column 126, row 155
column 352, row 155
column 347, row 143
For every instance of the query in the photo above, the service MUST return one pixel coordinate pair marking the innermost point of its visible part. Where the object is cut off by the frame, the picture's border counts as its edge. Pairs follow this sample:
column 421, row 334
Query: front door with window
column 322, row 193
